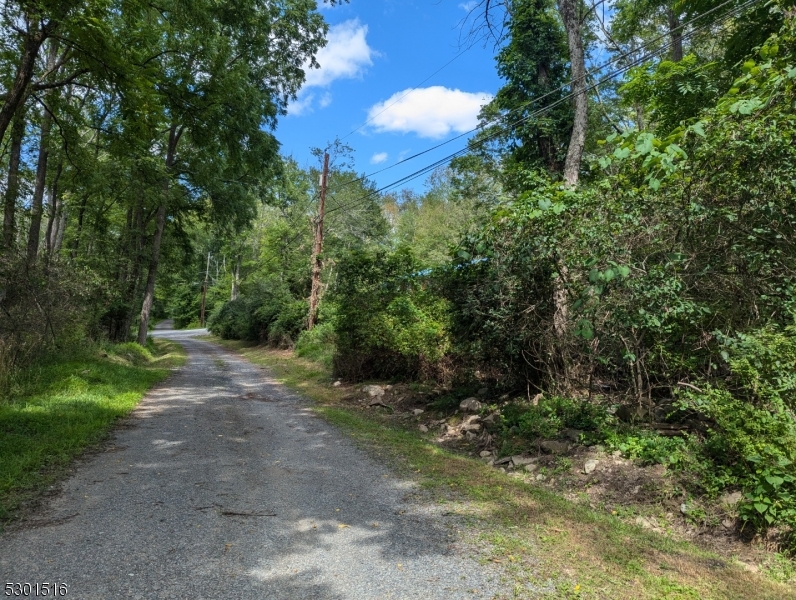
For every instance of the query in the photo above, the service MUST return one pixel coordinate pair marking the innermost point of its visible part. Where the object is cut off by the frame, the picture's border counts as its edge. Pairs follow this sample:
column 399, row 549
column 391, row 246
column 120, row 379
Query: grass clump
column 60, row 406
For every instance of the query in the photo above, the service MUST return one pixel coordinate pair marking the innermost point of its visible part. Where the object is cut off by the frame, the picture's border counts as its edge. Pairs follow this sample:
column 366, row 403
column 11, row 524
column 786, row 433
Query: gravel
column 223, row 484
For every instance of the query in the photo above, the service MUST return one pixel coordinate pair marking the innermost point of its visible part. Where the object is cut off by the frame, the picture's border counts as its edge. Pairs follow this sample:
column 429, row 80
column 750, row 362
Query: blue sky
column 378, row 50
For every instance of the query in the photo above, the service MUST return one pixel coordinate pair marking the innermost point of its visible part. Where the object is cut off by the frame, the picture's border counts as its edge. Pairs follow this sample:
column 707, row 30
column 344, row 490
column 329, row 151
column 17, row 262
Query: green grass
column 58, row 408
column 540, row 537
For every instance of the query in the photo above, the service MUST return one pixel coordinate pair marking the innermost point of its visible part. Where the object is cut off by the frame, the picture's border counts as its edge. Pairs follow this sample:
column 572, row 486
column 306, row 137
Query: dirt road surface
column 224, row 485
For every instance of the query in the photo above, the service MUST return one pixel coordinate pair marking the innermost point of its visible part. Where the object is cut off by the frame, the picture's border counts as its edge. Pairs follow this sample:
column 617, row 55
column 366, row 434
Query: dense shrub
column 266, row 311
column 389, row 322
column 43, row 308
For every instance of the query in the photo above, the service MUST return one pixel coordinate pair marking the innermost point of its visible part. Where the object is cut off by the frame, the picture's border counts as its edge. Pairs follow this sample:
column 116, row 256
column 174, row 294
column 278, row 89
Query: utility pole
column 318, row 247
column 204, row 291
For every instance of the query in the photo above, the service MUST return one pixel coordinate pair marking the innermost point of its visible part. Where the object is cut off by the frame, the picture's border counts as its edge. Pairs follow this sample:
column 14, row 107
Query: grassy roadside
column 58, row 409
column 545, row 541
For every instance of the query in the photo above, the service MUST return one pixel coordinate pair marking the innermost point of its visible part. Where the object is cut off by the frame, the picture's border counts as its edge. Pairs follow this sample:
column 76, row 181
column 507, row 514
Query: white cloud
column 468, row 6
column 325, row 100
column 301, row 106
column 431, row 112
column 378, row 158
column 345, row 56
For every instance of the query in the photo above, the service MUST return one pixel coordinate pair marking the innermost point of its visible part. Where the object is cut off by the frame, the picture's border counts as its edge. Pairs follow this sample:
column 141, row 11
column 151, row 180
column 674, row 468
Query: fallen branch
column 688, row 385
column 234, row 513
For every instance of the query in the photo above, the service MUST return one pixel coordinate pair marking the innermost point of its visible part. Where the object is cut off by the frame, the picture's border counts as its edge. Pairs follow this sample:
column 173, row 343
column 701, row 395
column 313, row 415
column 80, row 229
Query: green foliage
column 388, row 322
column 61, row 405
column 266, row 311
column 672, row 92
column 317, row 344
column 551, row 415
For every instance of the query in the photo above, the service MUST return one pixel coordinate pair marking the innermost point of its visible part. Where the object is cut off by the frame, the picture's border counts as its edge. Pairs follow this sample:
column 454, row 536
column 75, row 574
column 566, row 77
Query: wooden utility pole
column 204, row 291
column 318, row 247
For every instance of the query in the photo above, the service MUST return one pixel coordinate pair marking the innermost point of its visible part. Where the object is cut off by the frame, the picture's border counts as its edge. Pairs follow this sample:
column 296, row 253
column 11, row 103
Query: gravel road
column 224, row 485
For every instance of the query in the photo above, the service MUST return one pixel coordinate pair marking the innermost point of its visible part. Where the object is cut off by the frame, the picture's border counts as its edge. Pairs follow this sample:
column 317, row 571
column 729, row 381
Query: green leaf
column 775, row 481
column 760, row 507
column 622, row 153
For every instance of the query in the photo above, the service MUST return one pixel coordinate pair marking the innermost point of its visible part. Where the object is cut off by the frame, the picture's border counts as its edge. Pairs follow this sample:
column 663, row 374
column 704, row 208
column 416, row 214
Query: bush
column 265, row 311
column 752, row 436
column 389, row 321
column 233, row 320
column 44, row 308
column 317, row 344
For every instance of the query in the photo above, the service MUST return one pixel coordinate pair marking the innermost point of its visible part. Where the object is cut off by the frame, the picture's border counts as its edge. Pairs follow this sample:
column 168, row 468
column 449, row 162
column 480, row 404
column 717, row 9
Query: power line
column 635, row 62
column 467, row 149
column 616, row 59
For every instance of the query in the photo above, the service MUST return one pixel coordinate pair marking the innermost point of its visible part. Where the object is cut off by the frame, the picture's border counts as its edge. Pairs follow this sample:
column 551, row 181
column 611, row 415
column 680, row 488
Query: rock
column 450, row 430
column 337, row 383
column 471, row 423
column 554, row 447
column 536, row 398
column 598, row 448
column 387, row 387
column 423, row 428
column 635, row 490
column 490, row 420
column 531, row 468
column 684, row 508
column 470, row 405
column 470, row 435
column 590, row 466
column 418, row 411
column 514, row 430
column 485, row 454
column 630, row 414
column 374, row 391
column 483, row 391
column 540, row 477
column 520, row 461
column 728, row 524
column 503, row 461
column 616, row 453
column 644, row 522
column 731, row 499
column 572, row 434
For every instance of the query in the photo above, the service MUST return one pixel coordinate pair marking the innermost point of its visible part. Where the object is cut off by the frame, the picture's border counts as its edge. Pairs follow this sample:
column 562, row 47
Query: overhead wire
column 634, row 62
column 467, row 149
column 564, row 86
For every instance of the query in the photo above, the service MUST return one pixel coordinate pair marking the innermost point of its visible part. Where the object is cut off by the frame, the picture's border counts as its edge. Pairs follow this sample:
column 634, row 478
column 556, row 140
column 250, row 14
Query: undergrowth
column 62, row 405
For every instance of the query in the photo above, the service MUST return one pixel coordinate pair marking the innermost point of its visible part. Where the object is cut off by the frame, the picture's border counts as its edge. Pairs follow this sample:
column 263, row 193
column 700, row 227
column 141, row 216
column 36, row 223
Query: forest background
column 614, row 249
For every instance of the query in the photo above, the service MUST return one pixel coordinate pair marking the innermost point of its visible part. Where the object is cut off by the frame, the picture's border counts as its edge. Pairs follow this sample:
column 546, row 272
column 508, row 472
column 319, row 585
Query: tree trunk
column 59, row 231
column 12, row 188
column 54, row 209
column 36, row 208
column 676, row 34
column 236, row 279
column 149, row 291
column 19, row 88
column 569, row 15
